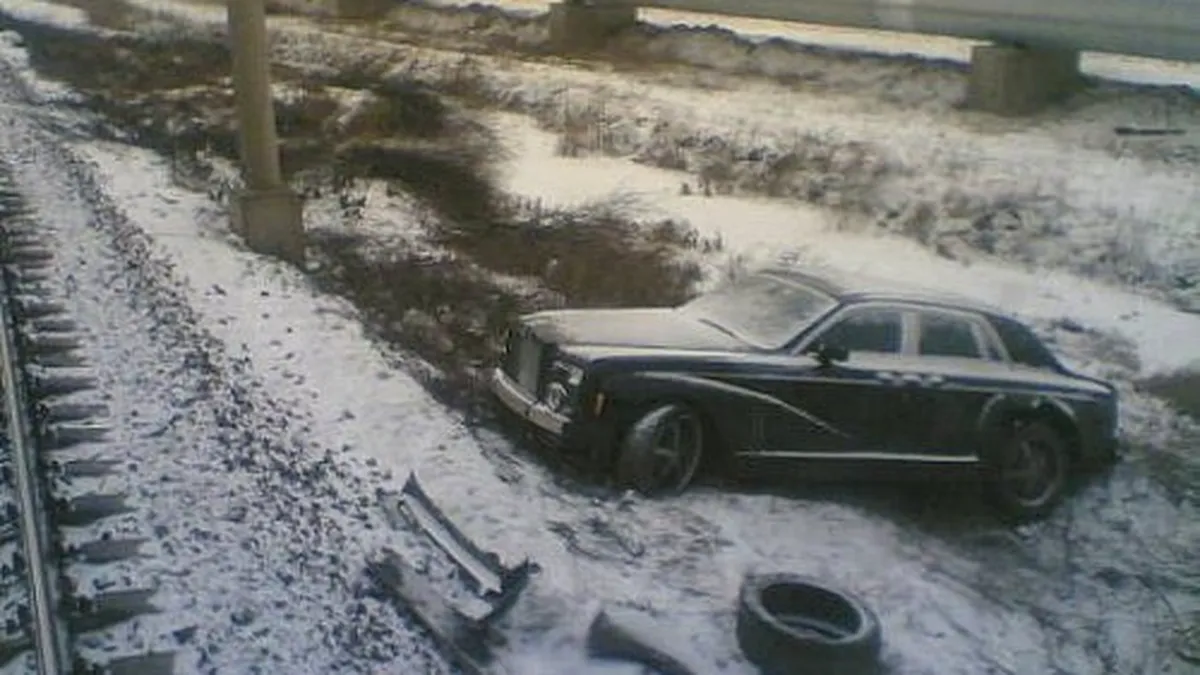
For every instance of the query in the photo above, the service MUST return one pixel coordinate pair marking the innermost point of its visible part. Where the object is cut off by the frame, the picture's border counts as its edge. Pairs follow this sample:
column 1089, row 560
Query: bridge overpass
column 1033, row 58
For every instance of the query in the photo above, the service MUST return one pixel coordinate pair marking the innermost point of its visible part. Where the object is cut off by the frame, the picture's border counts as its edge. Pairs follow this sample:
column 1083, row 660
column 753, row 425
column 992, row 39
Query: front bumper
column 525, row 406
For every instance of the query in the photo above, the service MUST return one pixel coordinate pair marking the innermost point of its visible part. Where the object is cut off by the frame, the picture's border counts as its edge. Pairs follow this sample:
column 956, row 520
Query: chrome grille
column 523, row 360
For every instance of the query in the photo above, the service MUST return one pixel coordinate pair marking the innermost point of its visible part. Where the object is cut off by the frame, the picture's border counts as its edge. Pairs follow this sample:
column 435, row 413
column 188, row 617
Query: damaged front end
column 466, row 639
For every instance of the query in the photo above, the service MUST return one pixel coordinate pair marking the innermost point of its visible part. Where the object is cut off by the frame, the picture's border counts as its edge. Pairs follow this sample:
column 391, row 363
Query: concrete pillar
column 267, row 213
column 1010, row 80
column 582, row 27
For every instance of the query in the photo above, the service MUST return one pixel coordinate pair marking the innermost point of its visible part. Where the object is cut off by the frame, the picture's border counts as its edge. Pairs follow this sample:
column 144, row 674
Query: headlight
column 564, row 380
column 568, row 373
column 557, row 397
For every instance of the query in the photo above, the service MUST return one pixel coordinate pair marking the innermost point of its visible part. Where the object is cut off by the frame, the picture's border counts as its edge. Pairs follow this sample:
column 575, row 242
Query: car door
column 855, row 408
column 955, row 356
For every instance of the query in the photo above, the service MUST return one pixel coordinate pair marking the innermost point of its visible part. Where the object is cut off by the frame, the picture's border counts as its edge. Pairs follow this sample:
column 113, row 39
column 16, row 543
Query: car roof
column 859, row 287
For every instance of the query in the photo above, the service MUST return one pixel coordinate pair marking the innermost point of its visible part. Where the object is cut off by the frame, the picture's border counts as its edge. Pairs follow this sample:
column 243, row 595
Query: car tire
column 640, row 460
column 789, row 624
column 1049, row 462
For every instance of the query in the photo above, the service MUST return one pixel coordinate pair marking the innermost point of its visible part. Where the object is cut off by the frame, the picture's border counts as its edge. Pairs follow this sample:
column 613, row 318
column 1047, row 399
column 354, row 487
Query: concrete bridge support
column 267, row 214
column 1004, row 79
column 1010, row 80
column 577, row 26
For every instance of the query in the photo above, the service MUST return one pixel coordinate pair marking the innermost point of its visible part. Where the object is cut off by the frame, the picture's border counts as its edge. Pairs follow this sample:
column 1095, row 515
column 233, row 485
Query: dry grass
column 441, row 308
column 594, row 256
column 453, row 310
column 453, row 182
column 813, row 167
column 1180, row 389
column 121, row 65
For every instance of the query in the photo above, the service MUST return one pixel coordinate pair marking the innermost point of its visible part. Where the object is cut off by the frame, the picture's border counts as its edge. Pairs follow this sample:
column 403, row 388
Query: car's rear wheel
column 662, row 449
column 1029, row 471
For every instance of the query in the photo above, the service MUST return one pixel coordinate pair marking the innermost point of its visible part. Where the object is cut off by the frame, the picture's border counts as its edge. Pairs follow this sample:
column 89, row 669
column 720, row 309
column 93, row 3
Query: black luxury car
column 809, row 373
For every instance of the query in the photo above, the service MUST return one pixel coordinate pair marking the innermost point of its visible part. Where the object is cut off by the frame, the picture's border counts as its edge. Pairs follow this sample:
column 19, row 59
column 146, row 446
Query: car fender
column 707, row 394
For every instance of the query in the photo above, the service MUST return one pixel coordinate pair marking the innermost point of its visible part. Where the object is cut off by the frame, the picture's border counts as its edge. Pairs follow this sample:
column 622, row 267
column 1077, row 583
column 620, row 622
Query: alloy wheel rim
column 1031, row 472
column 677, row 444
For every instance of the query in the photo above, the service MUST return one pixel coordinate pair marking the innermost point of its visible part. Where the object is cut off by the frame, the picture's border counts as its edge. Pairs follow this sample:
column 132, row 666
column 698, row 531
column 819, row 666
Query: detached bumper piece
column 467, row 640
column 498, row 585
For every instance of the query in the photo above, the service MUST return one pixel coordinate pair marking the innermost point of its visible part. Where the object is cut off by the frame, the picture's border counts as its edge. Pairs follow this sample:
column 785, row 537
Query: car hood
column 648, row 328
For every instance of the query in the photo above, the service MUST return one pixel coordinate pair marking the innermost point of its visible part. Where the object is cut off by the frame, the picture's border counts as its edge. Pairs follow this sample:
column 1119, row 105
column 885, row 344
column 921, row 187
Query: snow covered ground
column 249, row 502
column 686, row 557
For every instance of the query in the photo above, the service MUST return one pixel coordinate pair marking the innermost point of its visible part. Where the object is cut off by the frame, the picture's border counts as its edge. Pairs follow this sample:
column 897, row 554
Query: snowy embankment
column 1092, row 590
column 756, row 231
column 879, row 143
column 936, row 594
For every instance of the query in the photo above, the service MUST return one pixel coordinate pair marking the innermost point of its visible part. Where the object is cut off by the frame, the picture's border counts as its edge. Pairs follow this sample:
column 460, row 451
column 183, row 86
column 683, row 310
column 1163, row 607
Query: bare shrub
column 442, row 308
column 1181, row 389
column 123, row 64
column 594, row 256
column 455, row 183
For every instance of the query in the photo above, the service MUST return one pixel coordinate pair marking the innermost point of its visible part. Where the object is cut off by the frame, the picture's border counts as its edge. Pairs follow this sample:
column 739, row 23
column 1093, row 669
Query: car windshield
column 764, row 309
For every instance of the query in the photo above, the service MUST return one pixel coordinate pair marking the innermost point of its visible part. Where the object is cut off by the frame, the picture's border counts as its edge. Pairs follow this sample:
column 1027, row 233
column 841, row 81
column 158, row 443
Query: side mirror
column 827, row 354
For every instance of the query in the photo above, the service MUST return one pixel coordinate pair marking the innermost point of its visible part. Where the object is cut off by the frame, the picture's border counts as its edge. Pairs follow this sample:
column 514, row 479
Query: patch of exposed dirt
column 594, row 256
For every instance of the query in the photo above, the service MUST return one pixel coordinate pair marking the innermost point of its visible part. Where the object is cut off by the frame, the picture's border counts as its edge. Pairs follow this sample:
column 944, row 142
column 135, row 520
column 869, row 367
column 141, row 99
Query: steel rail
column 48, row 632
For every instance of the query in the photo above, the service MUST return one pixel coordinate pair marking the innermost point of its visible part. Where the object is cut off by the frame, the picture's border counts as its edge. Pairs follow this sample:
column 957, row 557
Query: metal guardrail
column 1167, row 29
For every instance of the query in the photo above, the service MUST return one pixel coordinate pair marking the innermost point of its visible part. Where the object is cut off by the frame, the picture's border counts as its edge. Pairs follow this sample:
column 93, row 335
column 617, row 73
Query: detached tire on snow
column 792, row 625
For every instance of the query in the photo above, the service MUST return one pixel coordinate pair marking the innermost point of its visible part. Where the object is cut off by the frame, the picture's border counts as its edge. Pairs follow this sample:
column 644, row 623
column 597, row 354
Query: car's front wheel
column 1029, row 472
column 661, row 452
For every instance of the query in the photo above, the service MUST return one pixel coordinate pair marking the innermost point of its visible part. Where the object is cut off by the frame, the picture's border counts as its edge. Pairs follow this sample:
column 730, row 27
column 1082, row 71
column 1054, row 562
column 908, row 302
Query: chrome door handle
column 887, row 377
column 934, row 380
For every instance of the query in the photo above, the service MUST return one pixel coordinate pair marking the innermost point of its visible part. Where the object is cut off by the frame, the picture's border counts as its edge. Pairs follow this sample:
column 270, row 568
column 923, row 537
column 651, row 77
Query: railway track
column 53, row 447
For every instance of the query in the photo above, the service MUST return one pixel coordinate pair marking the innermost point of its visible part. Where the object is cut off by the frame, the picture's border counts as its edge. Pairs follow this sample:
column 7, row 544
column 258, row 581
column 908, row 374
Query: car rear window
column 1023, row 346
column 947, row 335
column 868, row 330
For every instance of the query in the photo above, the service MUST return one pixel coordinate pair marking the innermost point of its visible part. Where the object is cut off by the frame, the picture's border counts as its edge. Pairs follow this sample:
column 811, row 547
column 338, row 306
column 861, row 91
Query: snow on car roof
column 846, row 286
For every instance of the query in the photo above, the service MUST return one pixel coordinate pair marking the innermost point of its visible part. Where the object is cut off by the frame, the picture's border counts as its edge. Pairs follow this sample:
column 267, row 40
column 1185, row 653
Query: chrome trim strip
column 524, row 405
column 863, row 456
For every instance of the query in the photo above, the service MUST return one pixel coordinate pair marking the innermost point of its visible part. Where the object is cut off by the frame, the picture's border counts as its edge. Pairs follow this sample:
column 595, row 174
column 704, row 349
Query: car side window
column 1023, row 346
column 947, row 335
column 867, row 330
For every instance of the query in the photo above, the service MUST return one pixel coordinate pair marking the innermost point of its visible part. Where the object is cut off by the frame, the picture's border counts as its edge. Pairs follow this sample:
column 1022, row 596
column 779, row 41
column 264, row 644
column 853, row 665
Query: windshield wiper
column 709, row 322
